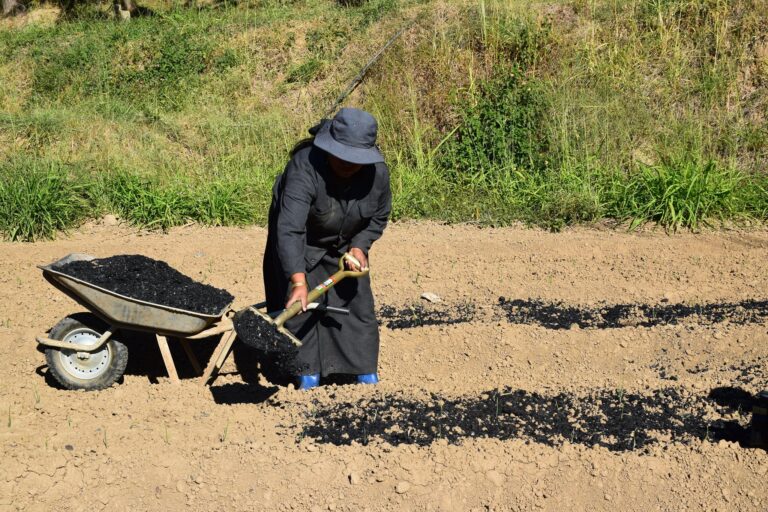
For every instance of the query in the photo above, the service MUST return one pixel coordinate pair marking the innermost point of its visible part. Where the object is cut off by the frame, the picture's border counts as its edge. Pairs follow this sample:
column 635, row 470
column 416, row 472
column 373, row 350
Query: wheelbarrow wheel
column 85, row 370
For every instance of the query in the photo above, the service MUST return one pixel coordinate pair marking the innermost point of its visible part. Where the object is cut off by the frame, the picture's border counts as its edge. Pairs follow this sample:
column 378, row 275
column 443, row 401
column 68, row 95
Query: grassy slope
column 551, row 113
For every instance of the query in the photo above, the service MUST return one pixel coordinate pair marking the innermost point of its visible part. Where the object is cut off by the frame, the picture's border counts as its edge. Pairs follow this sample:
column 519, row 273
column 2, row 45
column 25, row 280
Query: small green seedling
column 223, row 437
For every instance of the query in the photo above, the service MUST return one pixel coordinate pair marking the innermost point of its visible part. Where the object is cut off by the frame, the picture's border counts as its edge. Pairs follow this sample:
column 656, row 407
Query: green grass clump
column 502, row 126
column 680, row 194
column 37, row 201
column 225, row 203
column 149, row 203
column 146, row 202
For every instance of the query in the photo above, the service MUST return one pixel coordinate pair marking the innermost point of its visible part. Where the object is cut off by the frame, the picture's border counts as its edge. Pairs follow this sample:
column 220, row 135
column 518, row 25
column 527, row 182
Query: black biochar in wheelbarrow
column 149, row 280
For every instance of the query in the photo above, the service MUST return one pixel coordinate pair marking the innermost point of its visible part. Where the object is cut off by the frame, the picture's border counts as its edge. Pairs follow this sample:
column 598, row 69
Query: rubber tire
column 115, row 368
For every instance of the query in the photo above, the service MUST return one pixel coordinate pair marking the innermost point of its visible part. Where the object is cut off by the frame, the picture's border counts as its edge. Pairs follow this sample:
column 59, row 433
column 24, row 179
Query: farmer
column 333, row 197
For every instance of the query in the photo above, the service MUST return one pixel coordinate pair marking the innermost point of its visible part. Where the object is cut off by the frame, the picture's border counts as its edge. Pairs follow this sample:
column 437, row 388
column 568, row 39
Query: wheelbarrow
column 82, row 352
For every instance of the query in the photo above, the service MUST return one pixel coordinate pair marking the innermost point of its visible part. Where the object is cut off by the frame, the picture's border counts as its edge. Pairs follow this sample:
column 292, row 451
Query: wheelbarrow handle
column 323, row 288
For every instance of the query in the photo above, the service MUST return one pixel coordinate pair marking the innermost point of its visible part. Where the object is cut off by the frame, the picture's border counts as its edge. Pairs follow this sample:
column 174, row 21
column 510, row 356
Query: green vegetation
column 552, row 113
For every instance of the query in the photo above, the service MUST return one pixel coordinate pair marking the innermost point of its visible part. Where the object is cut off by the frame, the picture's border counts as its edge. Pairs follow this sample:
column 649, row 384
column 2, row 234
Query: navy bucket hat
column 350, row 136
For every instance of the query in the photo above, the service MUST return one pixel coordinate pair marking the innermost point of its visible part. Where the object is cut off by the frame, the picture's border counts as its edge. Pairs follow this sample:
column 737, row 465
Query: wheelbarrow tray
column 126, row 312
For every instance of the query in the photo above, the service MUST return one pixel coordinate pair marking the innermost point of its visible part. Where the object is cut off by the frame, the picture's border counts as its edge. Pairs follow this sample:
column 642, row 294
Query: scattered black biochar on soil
column 258, row 333
column 612, row 419
column 556, row 315
column 149, row 280
column 419, row 316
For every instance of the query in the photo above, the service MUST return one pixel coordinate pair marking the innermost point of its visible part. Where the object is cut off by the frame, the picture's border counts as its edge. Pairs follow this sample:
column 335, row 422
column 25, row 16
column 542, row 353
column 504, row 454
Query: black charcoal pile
column 419, row 316
column 149, row 280
column 613, row 419
column 556, row 315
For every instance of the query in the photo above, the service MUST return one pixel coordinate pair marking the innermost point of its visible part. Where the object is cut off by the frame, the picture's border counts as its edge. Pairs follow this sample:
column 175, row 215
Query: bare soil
column 585, row 370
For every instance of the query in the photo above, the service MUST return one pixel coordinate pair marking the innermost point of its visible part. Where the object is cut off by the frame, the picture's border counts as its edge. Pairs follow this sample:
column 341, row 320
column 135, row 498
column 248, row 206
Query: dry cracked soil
column 584, row 370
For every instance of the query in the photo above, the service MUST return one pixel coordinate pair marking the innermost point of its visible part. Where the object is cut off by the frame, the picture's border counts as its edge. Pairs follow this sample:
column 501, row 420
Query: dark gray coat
column 313, row 219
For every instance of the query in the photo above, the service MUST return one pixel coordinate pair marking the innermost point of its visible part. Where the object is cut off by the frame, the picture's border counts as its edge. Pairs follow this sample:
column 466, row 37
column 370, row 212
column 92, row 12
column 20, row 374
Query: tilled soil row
column 417, row 315
column 609, row 418
column 557, row 315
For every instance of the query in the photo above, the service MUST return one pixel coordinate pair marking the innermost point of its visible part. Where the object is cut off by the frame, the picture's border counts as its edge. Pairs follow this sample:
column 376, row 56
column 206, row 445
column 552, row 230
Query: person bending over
column 333, row 197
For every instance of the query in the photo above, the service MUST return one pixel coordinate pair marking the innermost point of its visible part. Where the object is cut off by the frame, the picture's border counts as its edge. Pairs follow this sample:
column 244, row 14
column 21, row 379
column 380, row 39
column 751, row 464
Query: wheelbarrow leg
column 191, row 355
column 162, row 342
column 219, row 356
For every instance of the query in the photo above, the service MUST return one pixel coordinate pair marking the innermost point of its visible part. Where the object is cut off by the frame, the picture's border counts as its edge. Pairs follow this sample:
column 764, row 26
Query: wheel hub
column 85, row 365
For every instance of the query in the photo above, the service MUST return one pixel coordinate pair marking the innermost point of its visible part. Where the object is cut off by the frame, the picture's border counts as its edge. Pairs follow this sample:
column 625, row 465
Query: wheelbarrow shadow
column 145, row 359
column 261, row 374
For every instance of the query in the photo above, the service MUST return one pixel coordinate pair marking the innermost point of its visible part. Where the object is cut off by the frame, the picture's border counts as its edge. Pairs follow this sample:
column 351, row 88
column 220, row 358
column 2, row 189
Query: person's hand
column 360, row 256
column 298, row 293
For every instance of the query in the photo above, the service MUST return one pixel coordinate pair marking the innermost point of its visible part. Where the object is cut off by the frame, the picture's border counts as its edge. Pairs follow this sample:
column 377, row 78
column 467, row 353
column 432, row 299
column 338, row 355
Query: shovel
column 266, row 333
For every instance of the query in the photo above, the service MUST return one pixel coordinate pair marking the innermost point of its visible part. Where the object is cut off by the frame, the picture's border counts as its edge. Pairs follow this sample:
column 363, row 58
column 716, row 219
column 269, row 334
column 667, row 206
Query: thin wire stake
column 361, row 75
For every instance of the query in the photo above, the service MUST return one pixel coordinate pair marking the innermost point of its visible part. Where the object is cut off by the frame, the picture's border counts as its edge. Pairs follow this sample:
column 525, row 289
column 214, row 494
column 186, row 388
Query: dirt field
column 613, row 383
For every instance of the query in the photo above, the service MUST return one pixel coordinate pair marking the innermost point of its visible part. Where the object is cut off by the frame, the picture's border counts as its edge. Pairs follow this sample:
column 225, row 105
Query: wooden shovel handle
column 320, row 290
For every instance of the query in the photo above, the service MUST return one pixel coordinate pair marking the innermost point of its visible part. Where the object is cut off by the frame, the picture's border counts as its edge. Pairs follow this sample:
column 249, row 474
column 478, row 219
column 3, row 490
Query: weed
column 501, row 126
column 680, row 194
column 223, row 436
column 305, row 72
column 37, row 201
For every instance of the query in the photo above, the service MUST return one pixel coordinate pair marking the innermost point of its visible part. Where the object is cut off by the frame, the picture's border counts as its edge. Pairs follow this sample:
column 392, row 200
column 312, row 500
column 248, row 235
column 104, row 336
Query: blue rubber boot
column 368, row 378
column 309, row 381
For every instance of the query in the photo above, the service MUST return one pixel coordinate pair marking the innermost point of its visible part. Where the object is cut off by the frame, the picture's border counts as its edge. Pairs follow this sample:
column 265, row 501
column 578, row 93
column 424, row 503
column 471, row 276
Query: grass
column 36, row 201
column 225, row 433
column 492, row 112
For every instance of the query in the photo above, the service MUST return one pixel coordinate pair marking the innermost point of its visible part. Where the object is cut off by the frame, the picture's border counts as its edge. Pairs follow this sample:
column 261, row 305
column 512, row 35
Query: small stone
column 623, row 344
column 402, row 487
column 718, row 335
column 431, row 297
column 110, row 220
column 69, row 447
column 354, row 478
column 608, row 497
column 181, row 487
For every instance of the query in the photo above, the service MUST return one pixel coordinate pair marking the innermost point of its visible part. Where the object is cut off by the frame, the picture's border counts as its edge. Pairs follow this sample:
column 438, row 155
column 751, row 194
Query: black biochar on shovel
column 149, row 280
column 257, row 332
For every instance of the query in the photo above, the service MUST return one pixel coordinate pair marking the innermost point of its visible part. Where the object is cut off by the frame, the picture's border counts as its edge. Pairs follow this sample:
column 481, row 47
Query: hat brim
column 351, row 154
